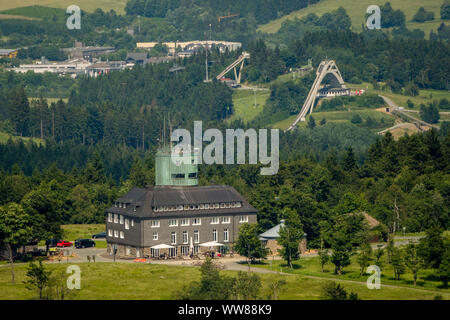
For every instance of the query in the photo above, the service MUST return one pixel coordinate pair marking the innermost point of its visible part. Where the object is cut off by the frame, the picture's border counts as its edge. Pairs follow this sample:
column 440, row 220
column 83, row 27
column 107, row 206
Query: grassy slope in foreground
column 155, row 282
column 357, row 10
column 86, row 5
column 311, row 266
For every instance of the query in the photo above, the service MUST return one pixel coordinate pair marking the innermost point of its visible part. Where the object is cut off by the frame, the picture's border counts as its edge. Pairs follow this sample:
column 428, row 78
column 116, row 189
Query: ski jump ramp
column 326, row 67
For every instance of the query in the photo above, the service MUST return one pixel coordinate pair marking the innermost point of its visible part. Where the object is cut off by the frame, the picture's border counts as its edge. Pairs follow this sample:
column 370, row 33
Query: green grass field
column 357, row 10
column 71, row 232
column 310, row 266
column 81, row 231
column 158, row 282
column 4, row 137
column 425, row 96
column 244, row 104
column 86, row 5
column 35, row 12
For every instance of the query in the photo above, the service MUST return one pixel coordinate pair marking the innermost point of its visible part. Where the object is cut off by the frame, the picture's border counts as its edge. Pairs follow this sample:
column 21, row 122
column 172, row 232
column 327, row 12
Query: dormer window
column 222, row 205
column 207, row 206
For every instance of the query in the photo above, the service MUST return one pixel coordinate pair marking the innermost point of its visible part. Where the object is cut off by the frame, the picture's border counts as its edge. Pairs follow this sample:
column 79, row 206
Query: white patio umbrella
column 191, row 246
column 162, row 246
column 212, row 244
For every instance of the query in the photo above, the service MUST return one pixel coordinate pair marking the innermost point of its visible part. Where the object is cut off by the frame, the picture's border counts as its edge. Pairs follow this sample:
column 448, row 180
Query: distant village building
column 176, row 213
column 137, row 57
column 105, row 67
column 79, row 51
column 74, row 68
column 8, row 53
column 191, row 46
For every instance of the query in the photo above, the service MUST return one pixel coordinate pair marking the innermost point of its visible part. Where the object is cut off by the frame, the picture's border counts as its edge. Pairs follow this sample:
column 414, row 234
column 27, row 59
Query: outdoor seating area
column 210, row 249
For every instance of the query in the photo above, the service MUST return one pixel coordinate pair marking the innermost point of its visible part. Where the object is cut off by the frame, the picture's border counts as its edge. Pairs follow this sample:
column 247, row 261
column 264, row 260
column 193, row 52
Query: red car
column 64, row 243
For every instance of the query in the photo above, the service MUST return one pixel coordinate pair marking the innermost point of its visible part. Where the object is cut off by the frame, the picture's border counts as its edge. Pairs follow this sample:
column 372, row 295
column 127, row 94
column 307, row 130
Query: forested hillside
column 99, row 134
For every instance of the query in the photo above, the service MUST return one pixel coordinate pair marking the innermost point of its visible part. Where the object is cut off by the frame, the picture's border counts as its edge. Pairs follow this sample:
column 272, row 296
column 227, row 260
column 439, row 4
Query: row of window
column 116, row 218
column 203, row 206
column 197, row 221
column 196, row 238
column 173, row 236
column 116, row 234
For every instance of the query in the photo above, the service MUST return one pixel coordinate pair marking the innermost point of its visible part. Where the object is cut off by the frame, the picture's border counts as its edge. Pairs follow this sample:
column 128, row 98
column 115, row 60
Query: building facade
column 182, row 217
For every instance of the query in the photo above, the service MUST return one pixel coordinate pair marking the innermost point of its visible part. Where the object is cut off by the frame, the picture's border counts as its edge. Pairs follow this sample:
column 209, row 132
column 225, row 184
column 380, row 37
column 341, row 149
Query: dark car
column 99, row 235
column 52, row 242
column 84, row 243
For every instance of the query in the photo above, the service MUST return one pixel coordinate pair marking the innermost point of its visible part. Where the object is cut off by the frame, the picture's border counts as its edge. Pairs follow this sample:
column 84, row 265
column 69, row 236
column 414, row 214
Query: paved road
column 396, row 108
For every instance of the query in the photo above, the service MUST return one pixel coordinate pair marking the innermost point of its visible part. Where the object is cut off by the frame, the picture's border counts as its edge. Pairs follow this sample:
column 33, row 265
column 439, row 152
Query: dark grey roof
column 137, row 56
column 273, row 233
column 195, row 195
column 144, row 200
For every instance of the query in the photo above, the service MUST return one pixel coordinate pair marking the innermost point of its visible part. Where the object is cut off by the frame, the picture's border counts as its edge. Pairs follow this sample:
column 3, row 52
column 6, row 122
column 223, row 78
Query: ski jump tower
column 326, row 67
column 234, row 65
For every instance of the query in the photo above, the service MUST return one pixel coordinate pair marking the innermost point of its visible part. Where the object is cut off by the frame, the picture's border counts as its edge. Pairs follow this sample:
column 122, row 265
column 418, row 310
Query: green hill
column 357, row 10
column 86, row 5
column 36, row 12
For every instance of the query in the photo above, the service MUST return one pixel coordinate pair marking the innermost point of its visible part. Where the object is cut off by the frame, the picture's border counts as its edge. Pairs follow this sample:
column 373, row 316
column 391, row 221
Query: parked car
column 64, row 243
column 84, row 243
column 52, row 242
column 99, row 235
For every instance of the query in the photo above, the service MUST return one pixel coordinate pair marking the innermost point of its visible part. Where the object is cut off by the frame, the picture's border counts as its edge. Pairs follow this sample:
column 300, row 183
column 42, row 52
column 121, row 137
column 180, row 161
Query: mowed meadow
column 357, row 10
column 86, row 5
column 120, row 281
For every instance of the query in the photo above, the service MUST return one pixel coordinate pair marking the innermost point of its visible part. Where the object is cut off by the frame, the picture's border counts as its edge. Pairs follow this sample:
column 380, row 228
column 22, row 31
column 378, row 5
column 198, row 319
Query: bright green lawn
column 357, row 11
column 37, row 12
column 4, row 137
column 311, row 266
column 425, row 95
column 81, row 231
column 86, row 5
column 244, row 104
column 143, row 281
